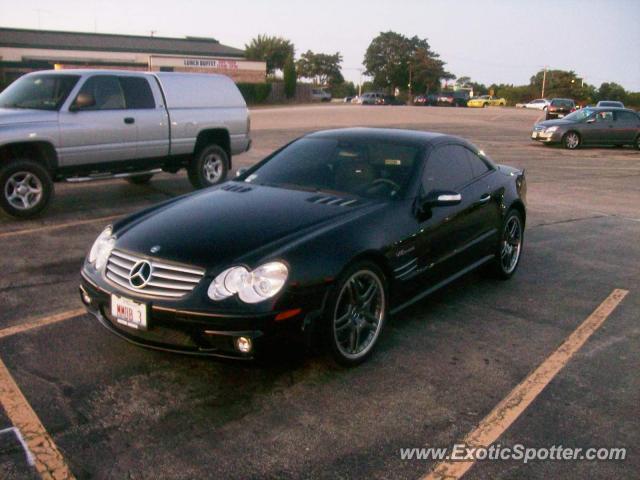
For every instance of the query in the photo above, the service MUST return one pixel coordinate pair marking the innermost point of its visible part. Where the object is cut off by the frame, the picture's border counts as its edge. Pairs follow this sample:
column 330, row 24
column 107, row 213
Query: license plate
column 128, row 312
column 560, row 115
column 534, row 135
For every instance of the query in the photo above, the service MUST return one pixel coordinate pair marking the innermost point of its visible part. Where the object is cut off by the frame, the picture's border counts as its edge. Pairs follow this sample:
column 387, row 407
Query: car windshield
column 371, row 169
column 579, row 115
column 39, row 92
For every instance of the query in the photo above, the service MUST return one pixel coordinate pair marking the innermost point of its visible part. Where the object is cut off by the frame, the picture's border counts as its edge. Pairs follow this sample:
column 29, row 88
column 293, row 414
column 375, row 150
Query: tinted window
column 448, row 168
column 604, row 116
column 360, row 167
column 41, row 92
column 106, row 92
column 478, row 166
column 627, row 117
column 137, row 93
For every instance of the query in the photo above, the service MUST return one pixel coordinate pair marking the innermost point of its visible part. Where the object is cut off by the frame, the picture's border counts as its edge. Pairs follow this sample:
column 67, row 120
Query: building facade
column 23, row 51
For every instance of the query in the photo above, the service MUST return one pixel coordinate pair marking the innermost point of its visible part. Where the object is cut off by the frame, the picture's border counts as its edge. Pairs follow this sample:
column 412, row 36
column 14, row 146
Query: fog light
column 243, row 344
column 86, row 299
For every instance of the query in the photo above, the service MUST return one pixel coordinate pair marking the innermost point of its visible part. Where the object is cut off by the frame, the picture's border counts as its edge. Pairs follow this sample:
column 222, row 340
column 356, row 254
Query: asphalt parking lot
column 114, row 410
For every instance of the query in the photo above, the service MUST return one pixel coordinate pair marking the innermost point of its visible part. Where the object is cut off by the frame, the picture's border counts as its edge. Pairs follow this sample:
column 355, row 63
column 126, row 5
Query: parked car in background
column 389, row 100
column 485, row 101
column 537, row 104
column 370, row 98
column 610, row 103
column 79, row 125
column 591, row 126
column 452, row 99
column 560, row 107
column 420, row 100
column 223, row 271
column 320, row 95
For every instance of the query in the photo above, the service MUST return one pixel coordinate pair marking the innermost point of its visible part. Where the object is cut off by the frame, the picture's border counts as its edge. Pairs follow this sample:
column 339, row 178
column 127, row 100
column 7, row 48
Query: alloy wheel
column 23, row 190
column 213, row 168
column 511, row 245
column 359, row 314
column 572, row 140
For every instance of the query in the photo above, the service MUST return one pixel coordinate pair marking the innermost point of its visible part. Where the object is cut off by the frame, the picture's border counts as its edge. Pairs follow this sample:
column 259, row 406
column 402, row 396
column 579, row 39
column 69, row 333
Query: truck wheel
column 209, row 167
column 26, row 188
column 140, row 179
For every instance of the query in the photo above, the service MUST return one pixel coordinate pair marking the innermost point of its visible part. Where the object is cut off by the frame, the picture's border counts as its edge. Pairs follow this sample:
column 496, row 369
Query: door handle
column 485, row 198
column 129, row 120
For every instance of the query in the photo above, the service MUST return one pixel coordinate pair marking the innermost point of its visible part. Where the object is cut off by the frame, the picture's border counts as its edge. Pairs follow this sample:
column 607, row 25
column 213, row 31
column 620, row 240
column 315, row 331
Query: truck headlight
column 551, row 129
column 251, row 286
column 101, row 248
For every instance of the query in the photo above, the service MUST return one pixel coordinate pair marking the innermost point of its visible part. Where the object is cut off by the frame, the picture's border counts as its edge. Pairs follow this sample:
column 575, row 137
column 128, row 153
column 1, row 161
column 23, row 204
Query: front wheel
column 637, row 143
column 571, row 140
column 209, row 167
column 26, row 188
column 509, row 249
column 356, row 313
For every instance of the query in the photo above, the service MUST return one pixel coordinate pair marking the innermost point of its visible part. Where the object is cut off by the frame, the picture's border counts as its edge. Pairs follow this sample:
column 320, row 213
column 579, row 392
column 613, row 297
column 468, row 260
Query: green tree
column 290, row 77
column 322, row 68
column 612, row 91
column 392, row 57
column 272, row 50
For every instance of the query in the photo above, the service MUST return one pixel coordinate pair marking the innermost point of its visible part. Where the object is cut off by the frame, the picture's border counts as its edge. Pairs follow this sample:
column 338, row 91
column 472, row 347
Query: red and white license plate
column 129, row 312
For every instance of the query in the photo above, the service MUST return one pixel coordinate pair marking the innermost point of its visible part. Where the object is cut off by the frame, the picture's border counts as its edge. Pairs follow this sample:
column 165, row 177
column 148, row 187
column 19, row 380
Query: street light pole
column 544, row 80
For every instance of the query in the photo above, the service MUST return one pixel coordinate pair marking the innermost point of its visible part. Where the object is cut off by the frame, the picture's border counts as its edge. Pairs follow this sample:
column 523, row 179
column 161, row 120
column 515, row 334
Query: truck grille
column 161, row 280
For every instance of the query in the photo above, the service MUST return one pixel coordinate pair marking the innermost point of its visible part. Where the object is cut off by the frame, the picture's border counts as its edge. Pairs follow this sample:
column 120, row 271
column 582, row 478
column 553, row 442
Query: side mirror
column 241, row 171
column 441, row 198
column 83, row 100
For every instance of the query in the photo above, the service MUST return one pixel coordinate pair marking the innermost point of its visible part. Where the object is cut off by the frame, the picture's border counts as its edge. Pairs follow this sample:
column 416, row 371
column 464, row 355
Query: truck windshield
column 38, row 92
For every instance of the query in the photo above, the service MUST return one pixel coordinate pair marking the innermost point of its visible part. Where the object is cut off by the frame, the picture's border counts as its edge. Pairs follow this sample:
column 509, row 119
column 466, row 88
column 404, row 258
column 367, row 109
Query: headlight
column 551, row 129
column 102, row 248
column 251, row 286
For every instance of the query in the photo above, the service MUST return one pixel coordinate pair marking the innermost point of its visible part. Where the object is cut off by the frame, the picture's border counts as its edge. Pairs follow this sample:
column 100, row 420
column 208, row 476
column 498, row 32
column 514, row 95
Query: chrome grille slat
column 166, row 280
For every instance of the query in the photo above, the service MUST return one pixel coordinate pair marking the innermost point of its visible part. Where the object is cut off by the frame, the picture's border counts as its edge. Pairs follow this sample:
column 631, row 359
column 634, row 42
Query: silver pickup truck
column 79, row 125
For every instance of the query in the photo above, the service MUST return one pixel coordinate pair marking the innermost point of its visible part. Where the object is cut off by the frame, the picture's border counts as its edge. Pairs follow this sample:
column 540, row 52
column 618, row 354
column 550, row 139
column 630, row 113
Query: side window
column 447, row 168
column 478, row 166
column 106, row 91
column 137, row 93
column 627, row 117
column 604, row 116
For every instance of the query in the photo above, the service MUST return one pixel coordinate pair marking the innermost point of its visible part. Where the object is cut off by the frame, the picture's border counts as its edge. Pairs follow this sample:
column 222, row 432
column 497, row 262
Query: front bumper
column 193, row 332
column 544, row 137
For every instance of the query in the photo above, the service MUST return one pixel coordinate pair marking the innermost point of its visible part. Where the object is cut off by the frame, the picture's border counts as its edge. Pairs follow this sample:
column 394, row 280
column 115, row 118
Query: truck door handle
column 485, row 198
column 129, row 120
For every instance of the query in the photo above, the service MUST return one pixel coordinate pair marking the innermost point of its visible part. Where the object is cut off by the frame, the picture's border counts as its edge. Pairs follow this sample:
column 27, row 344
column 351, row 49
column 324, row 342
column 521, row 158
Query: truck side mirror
column 83, row 100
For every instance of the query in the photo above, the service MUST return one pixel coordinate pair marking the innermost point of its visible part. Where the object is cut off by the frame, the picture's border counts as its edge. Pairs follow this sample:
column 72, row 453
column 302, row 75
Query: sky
column 491, row 41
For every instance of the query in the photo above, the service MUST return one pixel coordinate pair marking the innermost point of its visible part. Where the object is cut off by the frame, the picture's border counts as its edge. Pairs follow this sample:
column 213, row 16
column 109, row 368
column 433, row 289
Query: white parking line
column 514, row 404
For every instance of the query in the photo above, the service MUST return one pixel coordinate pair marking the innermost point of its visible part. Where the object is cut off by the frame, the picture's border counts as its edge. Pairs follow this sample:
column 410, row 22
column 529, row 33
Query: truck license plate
column 128, row 312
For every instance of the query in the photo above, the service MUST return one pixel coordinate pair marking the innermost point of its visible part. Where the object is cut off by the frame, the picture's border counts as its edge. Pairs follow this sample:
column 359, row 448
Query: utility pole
column 544, row 80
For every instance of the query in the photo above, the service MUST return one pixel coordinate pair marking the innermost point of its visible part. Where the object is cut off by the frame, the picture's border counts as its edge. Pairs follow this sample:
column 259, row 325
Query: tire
column 636, row 143
column 485, row 105
column 571, row 140
column 353, row 316
column 26, row 188
column 544, row 109
column 502, row 267
column 140, row 179
column 209, row 167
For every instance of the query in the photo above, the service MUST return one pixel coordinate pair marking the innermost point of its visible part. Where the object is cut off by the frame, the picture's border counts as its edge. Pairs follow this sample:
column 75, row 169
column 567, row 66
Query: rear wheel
column 140, row 179
column 637, row 143
column 209, row 167
column 26, row 188
column 356, row 313
column 485, row 105
column 509, row 249
column 571, row 140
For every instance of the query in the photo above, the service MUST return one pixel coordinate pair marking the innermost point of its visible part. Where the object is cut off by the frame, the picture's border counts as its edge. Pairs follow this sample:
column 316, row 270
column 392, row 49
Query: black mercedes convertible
column 325, row 238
